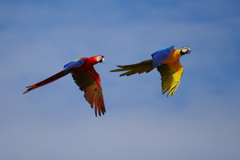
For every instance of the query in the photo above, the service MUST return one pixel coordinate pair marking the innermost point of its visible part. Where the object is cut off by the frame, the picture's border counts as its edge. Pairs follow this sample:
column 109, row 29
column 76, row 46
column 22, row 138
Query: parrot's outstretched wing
column 161, row 55
column 89, row 82
column 75, row 63
column 171, row 76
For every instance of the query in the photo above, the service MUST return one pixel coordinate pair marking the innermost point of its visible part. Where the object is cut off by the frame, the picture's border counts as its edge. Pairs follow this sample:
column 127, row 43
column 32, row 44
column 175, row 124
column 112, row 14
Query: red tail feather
column 47, row 81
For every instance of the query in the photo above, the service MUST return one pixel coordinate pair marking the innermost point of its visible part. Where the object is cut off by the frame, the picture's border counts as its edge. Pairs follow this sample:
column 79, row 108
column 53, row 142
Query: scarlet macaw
column 167, row 62
column 85, row 77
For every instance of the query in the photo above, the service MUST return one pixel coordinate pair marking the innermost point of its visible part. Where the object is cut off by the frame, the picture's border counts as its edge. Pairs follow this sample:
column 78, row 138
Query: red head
column 99, row 58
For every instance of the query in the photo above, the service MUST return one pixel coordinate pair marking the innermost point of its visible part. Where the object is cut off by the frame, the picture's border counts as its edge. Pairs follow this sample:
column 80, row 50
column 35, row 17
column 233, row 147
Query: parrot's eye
column 186, row 50
column 100, row 59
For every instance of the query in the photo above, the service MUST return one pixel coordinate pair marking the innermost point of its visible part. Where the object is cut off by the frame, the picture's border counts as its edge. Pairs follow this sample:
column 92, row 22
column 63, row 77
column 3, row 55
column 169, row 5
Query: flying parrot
column 85, row 77
column 166, row 61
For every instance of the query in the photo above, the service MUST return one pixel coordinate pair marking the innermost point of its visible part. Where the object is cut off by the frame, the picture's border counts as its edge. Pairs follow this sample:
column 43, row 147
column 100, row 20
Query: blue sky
column 201, row 121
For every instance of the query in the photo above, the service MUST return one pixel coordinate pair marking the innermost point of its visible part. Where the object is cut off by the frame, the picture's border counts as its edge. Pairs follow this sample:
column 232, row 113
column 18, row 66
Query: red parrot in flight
column 85, row 77
column 166, row 61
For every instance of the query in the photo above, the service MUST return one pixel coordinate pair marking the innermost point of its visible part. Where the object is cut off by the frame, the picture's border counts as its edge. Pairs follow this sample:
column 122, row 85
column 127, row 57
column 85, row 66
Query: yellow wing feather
column 171, row 76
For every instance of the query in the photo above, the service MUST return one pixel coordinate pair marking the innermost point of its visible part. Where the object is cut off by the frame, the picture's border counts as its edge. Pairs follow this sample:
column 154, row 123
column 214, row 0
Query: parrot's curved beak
column 101, row 60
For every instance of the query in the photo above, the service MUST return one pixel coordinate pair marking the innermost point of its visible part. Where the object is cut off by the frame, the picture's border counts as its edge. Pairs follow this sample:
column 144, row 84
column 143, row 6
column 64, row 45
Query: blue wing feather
column 161, row 55
column 73, row 64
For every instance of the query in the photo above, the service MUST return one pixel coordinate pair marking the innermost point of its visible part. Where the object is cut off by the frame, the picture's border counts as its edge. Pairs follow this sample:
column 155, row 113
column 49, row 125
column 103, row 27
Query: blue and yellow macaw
column 86, row 77
column 166, row 61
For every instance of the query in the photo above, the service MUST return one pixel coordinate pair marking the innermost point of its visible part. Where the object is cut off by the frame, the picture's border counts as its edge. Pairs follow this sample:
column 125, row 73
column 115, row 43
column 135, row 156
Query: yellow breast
column 175, row 55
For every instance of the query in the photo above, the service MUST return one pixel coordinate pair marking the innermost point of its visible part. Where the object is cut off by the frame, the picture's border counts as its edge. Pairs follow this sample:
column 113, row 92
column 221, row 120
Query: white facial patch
column 186, row 50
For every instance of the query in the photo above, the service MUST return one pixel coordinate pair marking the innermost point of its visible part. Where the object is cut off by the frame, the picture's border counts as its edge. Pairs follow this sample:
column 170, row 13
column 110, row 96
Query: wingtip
column 100, row 113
